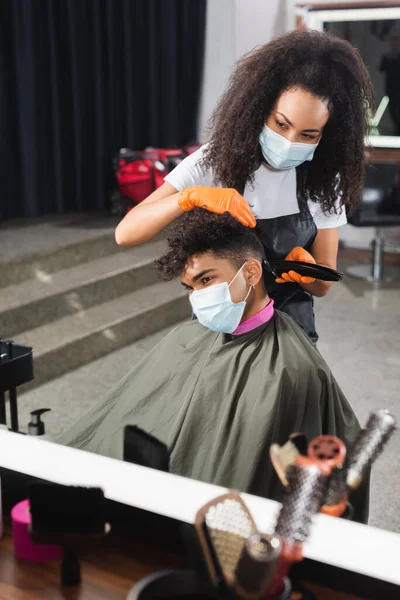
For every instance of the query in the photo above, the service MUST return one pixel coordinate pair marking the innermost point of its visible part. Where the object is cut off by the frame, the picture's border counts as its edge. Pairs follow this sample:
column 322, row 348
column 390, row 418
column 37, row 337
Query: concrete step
column 72, row 395
column 45, row 299
column 37, row 249
column 77, row 339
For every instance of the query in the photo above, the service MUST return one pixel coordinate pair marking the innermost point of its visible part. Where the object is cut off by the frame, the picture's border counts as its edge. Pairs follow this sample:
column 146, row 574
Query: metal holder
column 16, row 368
column 376, row 272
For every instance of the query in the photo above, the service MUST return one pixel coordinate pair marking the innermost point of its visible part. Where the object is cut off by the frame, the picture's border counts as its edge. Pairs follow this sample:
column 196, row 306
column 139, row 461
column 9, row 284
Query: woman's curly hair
column 326, row 66
column 199, row 231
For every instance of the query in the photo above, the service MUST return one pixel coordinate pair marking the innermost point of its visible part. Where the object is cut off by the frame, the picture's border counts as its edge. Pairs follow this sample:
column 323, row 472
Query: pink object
column 256, row 320
column 24, row 548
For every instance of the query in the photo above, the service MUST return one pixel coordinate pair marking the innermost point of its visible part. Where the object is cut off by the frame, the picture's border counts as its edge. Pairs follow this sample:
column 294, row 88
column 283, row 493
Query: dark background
column 79, row 79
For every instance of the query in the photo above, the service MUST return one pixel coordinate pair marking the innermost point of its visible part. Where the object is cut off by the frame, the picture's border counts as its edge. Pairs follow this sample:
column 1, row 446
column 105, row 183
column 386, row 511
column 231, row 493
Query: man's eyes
column 206, row 280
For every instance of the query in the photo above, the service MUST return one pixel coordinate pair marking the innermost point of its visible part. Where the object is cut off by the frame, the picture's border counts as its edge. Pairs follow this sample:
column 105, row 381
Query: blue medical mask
column 280, row 153
column 215, row 309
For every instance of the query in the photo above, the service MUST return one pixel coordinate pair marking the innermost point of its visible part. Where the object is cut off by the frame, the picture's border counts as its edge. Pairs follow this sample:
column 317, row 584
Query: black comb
column 278, row 267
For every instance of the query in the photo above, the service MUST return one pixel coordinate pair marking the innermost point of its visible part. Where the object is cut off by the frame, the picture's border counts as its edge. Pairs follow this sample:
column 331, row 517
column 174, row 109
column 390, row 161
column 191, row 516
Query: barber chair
column 16, row 368
column 379, row 208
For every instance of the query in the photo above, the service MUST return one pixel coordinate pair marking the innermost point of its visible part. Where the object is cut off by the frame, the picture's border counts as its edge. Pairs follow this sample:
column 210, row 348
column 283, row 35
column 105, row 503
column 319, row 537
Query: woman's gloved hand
column 217, row 200
column 300, row 255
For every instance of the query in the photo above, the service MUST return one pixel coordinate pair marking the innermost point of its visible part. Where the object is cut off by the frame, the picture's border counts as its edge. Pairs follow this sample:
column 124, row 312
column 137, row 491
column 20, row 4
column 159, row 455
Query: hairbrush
column 332, row 452
column 277, row 267
column 335, row 503
column 328, row 449
column 72, row 517
column 238, row 558
column 302, row 499
column 143, row 449
column 283, row 456
column 368, row 445
column 257, row 565
column 223, row 526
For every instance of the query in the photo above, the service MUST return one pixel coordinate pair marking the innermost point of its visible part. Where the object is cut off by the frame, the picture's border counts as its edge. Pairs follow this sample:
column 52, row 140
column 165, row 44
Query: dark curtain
column 80, row 79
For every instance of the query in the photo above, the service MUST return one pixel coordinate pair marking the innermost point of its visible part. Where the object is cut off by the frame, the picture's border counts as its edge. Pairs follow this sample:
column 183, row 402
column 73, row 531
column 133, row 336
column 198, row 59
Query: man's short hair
column 199, row 231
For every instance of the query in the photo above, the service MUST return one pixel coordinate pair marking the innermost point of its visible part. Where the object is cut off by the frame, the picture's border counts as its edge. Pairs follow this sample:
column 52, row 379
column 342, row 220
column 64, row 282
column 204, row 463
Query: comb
column 277, row 267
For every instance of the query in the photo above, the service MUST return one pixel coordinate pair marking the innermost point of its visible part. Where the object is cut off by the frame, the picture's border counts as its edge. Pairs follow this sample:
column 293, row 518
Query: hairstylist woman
column 286, row 155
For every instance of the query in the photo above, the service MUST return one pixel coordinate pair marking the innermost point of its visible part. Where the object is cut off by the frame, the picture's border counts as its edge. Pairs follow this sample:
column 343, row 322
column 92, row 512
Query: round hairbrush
column 368, row 445
column 329, row 449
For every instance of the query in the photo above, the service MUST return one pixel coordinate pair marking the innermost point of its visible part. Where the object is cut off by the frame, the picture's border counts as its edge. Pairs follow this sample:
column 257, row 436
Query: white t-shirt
column 272, row 194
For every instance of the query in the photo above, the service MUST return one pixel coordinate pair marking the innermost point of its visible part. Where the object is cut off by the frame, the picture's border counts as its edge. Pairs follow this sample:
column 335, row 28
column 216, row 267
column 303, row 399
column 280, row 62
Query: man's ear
column 253, row 271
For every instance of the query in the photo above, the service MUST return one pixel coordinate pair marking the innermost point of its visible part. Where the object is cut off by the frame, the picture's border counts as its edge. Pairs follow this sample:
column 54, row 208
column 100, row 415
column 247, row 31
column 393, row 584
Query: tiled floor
column 359, row 328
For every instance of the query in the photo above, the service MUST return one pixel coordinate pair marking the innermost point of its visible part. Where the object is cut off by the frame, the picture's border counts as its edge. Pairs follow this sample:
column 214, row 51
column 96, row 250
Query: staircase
column 76, row 299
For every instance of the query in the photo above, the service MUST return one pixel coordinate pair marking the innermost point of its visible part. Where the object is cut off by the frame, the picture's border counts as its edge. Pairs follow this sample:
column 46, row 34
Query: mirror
column 379, row 45
column 375, row 32
column 104, row 340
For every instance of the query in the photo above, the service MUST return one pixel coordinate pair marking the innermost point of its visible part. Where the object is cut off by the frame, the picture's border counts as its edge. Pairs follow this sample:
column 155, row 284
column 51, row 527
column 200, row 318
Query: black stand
column 16, row 368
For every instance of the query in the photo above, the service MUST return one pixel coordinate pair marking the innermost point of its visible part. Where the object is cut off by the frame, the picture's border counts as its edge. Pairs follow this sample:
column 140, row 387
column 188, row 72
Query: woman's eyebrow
column 291, row 124
column 285, row 117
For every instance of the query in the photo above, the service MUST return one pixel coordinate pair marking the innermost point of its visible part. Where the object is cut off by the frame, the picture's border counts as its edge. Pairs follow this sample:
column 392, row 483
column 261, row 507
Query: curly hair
column 199, row 231
column 329, row 68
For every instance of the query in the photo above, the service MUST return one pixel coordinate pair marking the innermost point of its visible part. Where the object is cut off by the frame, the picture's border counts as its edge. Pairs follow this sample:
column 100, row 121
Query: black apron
column 279, row 236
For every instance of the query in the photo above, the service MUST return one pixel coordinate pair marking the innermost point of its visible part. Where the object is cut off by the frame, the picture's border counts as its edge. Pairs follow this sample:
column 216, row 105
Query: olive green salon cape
column 218, row 402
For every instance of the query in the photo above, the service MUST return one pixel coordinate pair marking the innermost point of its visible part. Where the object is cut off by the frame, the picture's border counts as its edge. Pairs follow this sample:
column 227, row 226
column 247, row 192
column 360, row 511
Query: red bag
column 134, row 173
column 139, row 173
column 167, row 159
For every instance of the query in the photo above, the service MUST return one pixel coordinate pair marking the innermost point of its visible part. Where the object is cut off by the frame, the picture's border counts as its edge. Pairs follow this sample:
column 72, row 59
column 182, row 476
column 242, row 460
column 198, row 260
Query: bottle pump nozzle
column 36, row 426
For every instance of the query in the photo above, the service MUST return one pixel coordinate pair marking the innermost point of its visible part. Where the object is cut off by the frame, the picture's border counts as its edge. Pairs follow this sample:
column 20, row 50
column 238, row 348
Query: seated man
column 219, row 390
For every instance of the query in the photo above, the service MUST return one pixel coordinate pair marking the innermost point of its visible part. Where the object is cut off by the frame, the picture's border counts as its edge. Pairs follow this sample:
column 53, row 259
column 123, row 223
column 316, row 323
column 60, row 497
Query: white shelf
column 358, row 548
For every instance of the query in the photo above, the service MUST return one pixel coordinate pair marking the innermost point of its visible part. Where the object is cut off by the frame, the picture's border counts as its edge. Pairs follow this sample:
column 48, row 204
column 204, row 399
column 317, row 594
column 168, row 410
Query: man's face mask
column 215, row 309
column 280, row 153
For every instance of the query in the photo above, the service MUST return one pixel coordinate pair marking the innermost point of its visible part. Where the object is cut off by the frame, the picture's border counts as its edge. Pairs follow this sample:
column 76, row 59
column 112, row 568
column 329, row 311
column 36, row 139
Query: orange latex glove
column 217, row 200
column 301, row 255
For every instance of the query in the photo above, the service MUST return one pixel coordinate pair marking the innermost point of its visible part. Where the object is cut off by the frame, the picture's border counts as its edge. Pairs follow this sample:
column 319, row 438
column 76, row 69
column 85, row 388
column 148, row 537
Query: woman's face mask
column 280, row 153
column 215, row 309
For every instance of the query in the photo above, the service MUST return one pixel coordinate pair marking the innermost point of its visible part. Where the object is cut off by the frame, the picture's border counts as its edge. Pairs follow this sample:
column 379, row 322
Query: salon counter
column 107, row 574
column 348, row 560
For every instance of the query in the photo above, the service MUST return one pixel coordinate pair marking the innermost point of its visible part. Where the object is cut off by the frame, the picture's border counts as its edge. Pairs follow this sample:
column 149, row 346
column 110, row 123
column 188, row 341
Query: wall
column 219, row 56
column 234, row 27
column 257, row 22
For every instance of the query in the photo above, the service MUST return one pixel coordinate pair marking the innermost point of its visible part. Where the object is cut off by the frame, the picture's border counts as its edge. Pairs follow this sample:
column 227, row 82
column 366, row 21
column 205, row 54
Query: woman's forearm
column 317, row 288
column 147, row 220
